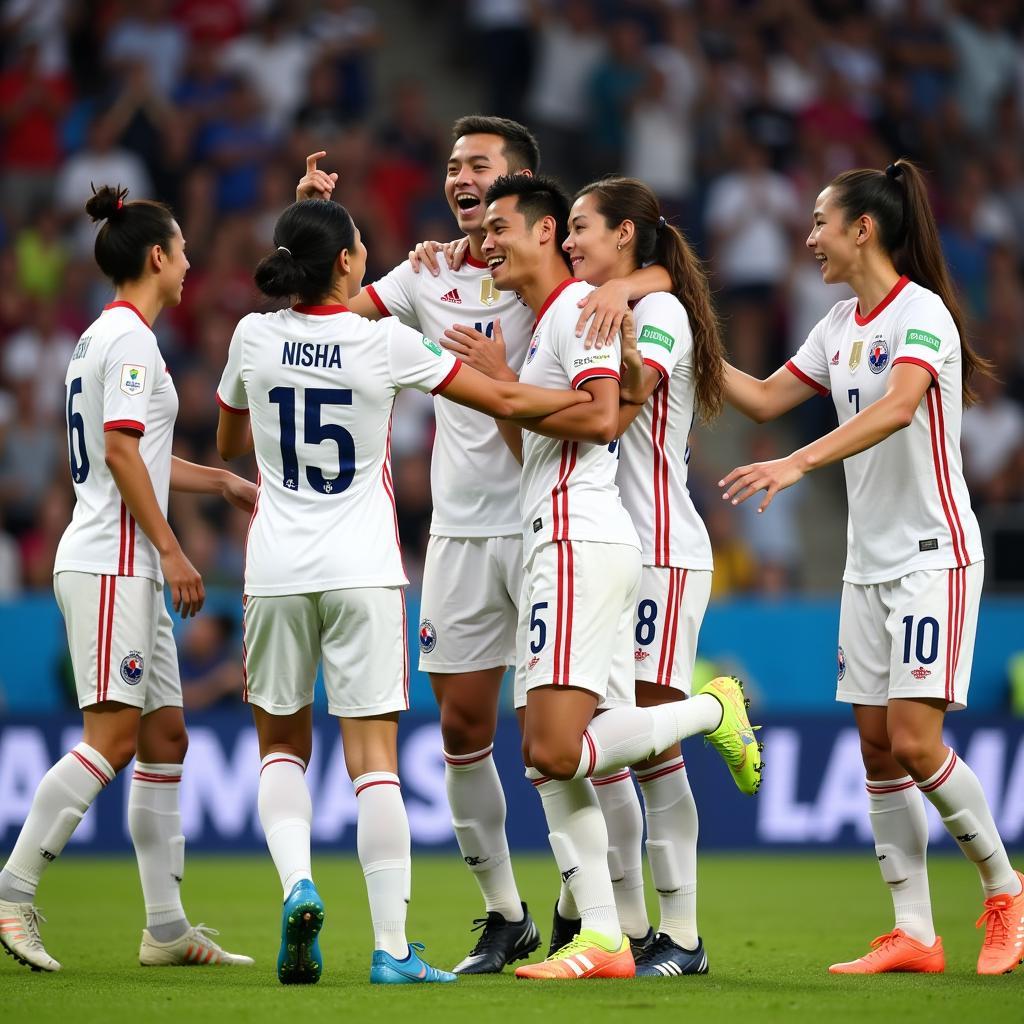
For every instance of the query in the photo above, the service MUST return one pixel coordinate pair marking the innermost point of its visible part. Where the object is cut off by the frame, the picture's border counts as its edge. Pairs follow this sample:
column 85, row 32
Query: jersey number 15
column 315, row 432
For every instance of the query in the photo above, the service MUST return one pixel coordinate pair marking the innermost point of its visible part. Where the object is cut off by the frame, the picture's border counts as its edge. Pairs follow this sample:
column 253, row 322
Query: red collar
column 559, row 288
column 471, row 262
column 124, row 304
column 862, row 321
column 320, row 310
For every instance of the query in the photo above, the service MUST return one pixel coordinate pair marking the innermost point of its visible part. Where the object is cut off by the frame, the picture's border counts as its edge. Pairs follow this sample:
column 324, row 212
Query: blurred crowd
column 736, row 111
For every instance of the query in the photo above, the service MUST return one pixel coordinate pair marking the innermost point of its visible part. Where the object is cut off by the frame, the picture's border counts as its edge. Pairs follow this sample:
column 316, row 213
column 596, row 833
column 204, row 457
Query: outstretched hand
column 315, row 183
column 771, row 477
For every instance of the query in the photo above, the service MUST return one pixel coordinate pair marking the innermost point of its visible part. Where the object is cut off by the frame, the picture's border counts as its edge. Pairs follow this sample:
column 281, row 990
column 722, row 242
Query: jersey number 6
column 315, row 432
column 76, row 428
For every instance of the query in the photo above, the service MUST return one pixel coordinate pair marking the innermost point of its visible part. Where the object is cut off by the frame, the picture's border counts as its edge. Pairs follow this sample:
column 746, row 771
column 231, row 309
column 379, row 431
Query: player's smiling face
column 475, row 162
column 511, row 248
column 832, row 241
column 591, row 243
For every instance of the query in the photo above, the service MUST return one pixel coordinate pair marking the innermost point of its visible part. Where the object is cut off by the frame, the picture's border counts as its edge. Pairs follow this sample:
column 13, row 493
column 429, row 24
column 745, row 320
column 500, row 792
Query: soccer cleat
column 195, row 948
column 641, row 945
column 1003, row 918
column 563, row 931
column 584, row 957
column 19, row 935
column 896, row 952
column 501, row 942
column 388, row 970
column 299, row 961
column 664, row 958
column 734, row 737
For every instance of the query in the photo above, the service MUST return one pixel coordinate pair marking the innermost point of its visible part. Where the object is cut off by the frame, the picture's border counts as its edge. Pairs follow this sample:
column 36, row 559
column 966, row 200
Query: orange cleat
column 1003, row 948
column 584, row 957
column 896, row 952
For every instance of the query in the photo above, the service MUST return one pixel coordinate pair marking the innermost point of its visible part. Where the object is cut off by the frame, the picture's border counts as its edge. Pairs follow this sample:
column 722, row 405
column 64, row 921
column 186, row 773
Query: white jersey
column 568, row 489
column 909, row 504
column 319, row 383
column 116, row 380
column 653, row 453
column 474, row 478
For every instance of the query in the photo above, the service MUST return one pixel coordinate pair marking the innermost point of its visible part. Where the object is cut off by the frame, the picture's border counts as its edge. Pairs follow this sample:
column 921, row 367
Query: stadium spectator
column 149, row 35
column 210, row 663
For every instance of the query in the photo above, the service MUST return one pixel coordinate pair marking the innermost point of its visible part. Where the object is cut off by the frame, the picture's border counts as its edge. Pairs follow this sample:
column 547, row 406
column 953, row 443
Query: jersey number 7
column 315, row 432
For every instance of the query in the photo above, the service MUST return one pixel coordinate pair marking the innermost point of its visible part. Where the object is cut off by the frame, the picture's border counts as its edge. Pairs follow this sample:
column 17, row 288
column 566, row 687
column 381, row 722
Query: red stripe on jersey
column 91, row 768
column 591, row 374
column 609, row 779
column 945, row 473
column 377, row 300
column 863, row 321
column 449, row 377
column 405, row 653
column 230, row 408
column 667, row 625
column 933, row 396
column 560, row 492
column 122, row 547
column 656, row 366
column 125, row 425
column 559, row 288
column 931, row 787
column 131, row 544
column 329, row 310
column 662, row 485
column 918, row 362
column 644, row 777
column 378, row 782
column 810, row 382
column 284, row 759
column 124, row 304
column 99, row 639
column 657, row 454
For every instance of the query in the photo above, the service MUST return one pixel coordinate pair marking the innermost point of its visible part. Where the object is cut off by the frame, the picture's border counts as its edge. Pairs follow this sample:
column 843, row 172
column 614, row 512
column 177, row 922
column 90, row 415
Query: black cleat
column 641, row 945
column 563, row 931
column 501, row 942
column 664, row 958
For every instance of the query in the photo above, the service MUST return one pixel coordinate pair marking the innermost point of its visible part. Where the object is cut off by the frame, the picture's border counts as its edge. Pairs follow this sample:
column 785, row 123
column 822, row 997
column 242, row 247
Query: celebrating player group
column 570, row 345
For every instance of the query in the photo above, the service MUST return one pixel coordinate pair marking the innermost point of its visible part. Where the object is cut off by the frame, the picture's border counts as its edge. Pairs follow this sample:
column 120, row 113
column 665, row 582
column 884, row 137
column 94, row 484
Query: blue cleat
column 300, row 962
column 665, row 959
column 387, row 970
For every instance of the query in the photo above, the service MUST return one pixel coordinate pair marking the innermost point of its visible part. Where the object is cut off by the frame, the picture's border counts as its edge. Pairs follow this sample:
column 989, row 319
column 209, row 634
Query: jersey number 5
column 315, row 432
column 76, row 435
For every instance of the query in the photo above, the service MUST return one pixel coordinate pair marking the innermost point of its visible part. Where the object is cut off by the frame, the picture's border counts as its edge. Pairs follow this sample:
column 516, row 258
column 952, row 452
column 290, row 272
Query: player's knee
column 177, row 746
column 875, row 752
column 464, row 732
column 912, row 752
column 119, row 751
column 554, row 760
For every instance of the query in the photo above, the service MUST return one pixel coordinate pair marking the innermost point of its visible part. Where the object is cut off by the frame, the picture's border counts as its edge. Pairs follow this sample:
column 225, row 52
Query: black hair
column 520, row 150
column 130, row 231
column 536, row 196
column 308, row 236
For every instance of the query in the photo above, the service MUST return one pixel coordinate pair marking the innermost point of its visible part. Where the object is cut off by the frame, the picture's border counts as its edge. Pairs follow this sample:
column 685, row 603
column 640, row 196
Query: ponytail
column 897, row 200
column 128, row 231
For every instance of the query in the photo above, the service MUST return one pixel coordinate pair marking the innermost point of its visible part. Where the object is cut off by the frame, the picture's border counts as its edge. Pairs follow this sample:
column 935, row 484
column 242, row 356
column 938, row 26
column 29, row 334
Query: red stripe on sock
column 283, row 760
column 617, row 777
column 150, row 777
column 379, row 782
column 947, row 771
column 91, row 768
column 589, row 740
column 463, row 759
column 882, row 790
column 657, row 773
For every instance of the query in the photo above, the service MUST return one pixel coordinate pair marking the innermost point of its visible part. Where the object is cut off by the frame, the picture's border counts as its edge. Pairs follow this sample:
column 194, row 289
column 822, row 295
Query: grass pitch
column 771, row 925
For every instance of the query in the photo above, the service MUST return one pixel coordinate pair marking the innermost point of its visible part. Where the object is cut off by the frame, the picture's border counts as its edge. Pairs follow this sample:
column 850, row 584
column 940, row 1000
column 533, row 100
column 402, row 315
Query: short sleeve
column 580, row 363
column 131, row 371
column 395, row 295
column 231, row 394
column 927, row 336
column 810, row 364
column 418, row 362
column 663, row 335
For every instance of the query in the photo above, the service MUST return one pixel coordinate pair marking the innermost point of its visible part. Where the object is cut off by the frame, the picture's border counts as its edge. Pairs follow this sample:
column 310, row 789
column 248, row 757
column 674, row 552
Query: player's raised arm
column 315, row 183
column 505, row 400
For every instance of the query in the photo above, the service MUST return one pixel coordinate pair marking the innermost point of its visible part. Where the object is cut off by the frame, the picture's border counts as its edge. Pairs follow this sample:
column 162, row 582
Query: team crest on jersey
column 132, row 666
column 488, row 293
column 878, row 356
column 532, row 350
column 855, row 353
column 428, row 636
column 841, row 664
column 133, row 379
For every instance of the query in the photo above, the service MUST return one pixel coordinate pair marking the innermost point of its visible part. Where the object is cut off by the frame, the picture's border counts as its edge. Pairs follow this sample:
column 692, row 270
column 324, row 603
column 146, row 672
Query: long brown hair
column 619, row 199
column 897, row 200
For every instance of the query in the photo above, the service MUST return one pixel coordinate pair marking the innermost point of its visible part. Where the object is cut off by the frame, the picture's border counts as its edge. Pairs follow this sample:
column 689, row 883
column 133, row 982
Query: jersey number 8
column 315, row 432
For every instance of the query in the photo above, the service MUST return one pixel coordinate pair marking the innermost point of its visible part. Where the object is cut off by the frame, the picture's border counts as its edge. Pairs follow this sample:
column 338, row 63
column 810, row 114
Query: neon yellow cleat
column 587, row 956
column 734, row 737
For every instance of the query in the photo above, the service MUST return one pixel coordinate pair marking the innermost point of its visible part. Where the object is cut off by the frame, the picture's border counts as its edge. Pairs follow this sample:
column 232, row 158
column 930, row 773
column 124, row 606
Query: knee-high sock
column 477, row 803
column 620, row 737
column 958, row 797
column 624, row 820
column 579, row 841
column 65, row 793
column 154, row 821
column 901, row 845
column 384, row 853
column 672, row 847
column 286, row 814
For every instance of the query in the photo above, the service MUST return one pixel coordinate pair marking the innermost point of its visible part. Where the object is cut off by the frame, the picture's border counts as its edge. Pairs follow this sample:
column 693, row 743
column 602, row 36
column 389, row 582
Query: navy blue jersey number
column 76, row 436
column 926, row 647
column 316, row 432
column 536, row 623
column 646, row 614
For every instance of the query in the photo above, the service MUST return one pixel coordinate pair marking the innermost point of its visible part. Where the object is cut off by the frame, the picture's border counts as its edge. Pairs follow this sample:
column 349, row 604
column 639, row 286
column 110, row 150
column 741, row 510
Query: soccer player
column 109, row 576
column 311, row 388
column 899, row 370
column 582, row 561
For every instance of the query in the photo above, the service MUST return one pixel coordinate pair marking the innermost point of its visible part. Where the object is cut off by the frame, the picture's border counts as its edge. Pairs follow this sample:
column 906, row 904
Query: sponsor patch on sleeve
column 915, row 337
column 656, row 336
column 133, row 379
column 432, row 346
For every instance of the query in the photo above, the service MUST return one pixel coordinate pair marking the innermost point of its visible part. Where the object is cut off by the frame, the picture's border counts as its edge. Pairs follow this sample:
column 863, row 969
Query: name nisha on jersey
column 305, row 353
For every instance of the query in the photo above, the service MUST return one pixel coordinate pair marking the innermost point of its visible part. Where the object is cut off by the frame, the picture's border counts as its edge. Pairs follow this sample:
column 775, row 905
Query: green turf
column 771, row 925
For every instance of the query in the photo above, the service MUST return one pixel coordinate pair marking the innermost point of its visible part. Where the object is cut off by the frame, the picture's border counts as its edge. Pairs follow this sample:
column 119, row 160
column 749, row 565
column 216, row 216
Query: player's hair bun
column 105, row 202
column 279, row 275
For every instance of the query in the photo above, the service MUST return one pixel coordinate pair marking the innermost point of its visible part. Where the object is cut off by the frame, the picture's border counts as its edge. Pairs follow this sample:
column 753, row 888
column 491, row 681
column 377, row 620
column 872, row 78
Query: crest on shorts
column 841, row 664
column 133, row 379
column 488, row 293
column 855, row 354
column 132, row 666
column 428, row 636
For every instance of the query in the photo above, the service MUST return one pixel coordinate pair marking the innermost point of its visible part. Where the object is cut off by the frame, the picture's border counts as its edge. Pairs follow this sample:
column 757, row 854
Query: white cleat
column 195, row 948
column 19, row 935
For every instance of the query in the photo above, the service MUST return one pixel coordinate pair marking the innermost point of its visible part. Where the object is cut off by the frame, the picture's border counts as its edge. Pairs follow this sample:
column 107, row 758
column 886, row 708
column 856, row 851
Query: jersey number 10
column 315, row 432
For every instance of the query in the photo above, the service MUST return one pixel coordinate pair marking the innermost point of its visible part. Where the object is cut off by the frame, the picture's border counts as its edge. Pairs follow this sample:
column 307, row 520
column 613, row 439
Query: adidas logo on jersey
column 452, row 296
column 835, row 358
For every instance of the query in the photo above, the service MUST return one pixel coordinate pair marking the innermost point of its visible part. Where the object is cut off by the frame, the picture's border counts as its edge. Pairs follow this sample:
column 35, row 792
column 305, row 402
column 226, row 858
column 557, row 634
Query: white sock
column 672, row 848
column 154, row 821
column 619, row 737
column 65, row 793
column 477, row 803
column 286, row 814
column 624, row 820
column 901, row 845
column 958, row 797
column 383, row 843
column 579, row 841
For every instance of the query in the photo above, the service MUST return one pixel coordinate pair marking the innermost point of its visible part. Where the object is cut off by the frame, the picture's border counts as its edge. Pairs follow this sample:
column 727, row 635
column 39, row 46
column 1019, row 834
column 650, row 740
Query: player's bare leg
column 469, row 716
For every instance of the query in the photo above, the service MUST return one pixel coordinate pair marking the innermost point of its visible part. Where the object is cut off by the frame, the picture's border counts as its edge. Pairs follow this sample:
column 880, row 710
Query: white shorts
column 120, row 639
column 669, row 611
column 913, row 637
column 576, row 620
column 359, row 633
column 468, row 603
